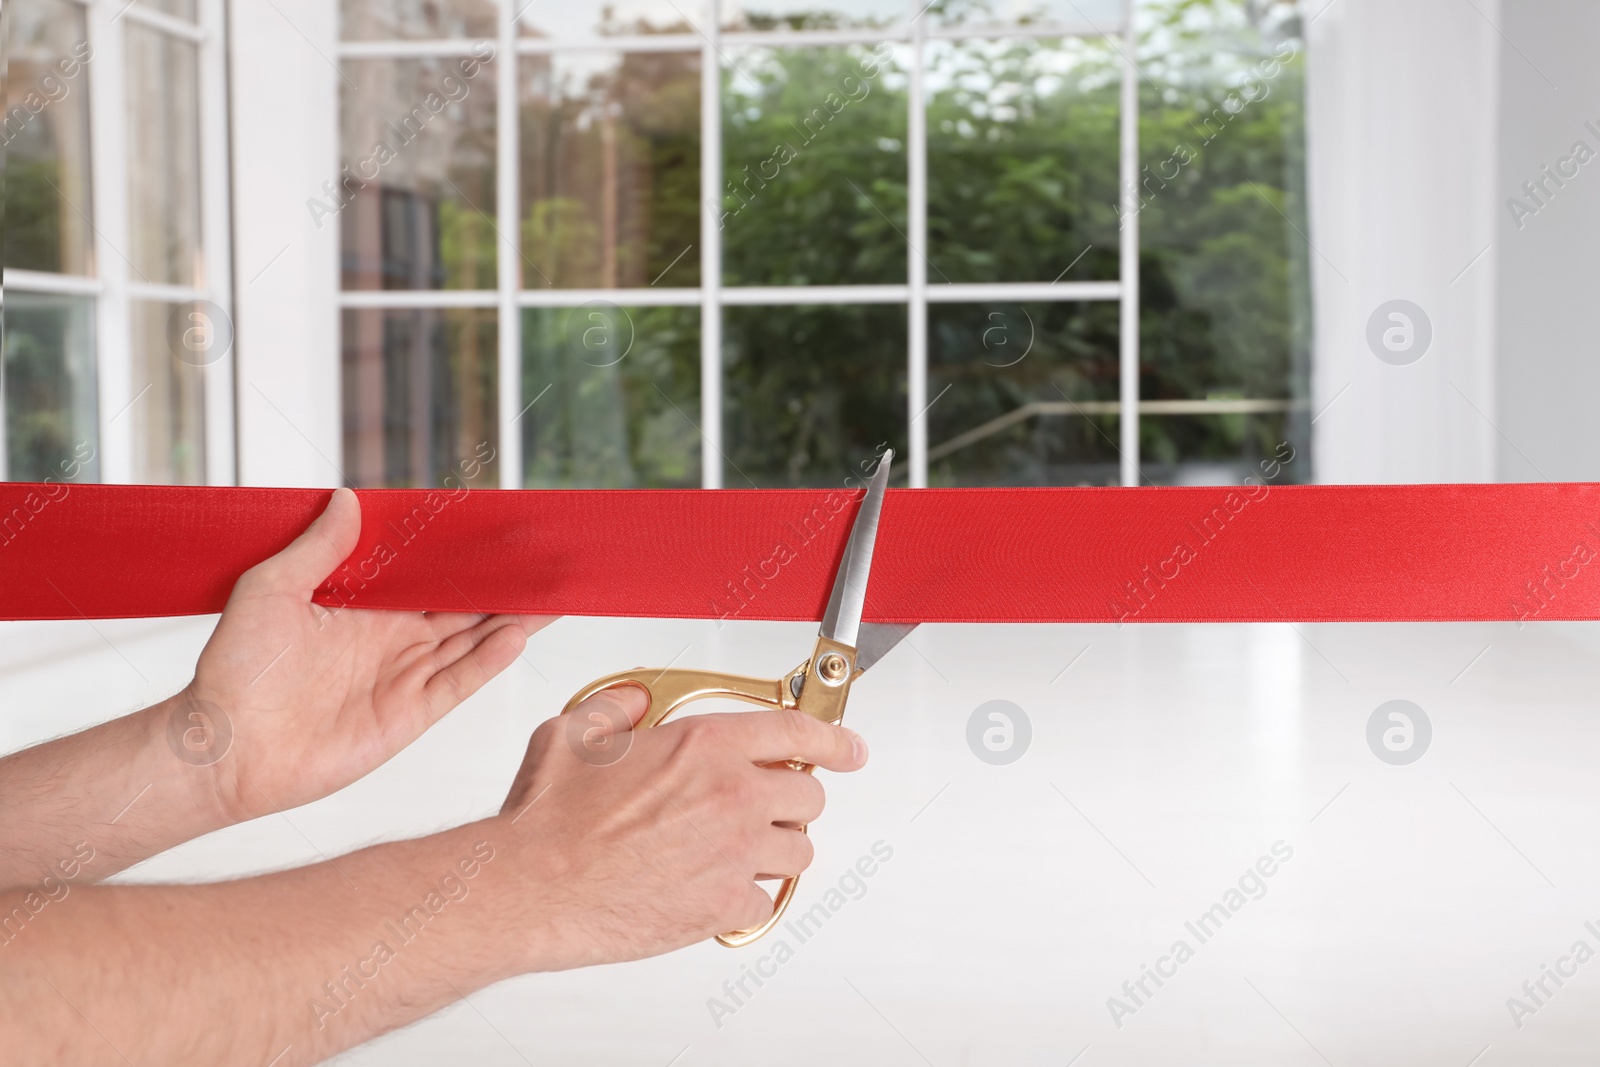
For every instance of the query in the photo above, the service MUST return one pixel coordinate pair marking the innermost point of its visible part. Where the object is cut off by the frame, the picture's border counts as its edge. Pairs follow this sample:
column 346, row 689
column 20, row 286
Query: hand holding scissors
column 819, row 686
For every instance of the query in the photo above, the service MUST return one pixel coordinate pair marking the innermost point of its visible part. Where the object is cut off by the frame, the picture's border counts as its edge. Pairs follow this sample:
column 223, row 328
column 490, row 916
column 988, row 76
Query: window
column 117, row 330
column 677, row 244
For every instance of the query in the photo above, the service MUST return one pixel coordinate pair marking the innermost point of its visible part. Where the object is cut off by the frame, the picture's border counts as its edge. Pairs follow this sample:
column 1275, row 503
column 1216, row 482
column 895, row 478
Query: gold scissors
column 819, row 687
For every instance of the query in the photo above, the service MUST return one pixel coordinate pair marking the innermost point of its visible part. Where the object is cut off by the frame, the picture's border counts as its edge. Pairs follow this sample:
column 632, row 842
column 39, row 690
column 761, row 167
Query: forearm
column 83, row 807
column 311, row 961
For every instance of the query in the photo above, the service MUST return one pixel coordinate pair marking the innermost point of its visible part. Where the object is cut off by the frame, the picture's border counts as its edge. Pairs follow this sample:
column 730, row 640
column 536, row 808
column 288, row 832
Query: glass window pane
column 1224, row 268
column 52, row 427
column 771, row 15
column 1023, row 148
column 810, row 393
column 814, row 162
column 168, row 406
column 419, row 397
column 1223, row 449
column 611, row 396
column 163, row 136
column 1023, row 394
column 416, row 199
column 610, row 170
column 558, row 20
column 183, row 9
column 46, row 140
column 1103, row 15
column 377, row 20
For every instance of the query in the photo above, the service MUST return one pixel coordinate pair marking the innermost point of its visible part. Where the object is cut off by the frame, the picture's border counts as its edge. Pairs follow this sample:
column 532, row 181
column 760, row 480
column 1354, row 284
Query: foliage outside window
column 1022, row 187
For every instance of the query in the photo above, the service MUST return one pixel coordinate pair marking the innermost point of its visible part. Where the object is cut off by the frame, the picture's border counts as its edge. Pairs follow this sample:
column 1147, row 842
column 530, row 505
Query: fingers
column 616, row 709
column 797, row 797
column 754, row 908
column 314, row 555
column 784, row 854
column 460, row 634
column 781, row 854
column 452, row 649
column 470, row 659
column 767, row 737
column 446, row 624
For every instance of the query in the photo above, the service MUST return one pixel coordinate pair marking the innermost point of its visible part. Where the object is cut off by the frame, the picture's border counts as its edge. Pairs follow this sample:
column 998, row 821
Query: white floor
column 1164, row 762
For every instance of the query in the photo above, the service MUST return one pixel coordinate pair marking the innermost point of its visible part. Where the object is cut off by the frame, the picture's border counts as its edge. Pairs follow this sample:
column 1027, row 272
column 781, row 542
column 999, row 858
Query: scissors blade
column 842, row 621
column 877, row 638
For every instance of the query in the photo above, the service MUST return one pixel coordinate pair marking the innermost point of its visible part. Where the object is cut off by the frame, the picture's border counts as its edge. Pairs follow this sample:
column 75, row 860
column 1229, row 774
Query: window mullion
column 1128, row 341
column 916, row 261
column 108, row 208
column 711, row 251
column 216, row 234
column 509, row 252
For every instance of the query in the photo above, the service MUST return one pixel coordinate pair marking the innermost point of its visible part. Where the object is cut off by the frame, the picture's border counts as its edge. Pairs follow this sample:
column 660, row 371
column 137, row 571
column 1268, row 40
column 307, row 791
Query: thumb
column 599, row 731
column 312, row 556
column 615, row 710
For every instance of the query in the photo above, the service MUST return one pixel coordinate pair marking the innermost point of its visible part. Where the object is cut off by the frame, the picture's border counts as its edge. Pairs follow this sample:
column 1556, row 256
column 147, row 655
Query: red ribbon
column 1242, row 554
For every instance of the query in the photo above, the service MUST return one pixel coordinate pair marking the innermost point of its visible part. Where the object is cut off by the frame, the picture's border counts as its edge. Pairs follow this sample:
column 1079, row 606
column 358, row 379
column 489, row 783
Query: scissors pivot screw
column 833, row 668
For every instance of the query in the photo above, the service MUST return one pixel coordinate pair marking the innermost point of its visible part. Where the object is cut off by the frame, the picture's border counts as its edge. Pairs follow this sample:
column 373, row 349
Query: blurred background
column 661, row 244
column 667, row 243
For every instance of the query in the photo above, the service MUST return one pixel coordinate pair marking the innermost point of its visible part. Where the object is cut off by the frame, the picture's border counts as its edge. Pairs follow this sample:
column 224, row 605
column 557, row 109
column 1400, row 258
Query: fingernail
column 858, row 748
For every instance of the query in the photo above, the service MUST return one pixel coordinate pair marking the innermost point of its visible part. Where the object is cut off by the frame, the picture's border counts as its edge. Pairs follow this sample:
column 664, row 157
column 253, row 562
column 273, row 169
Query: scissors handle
column 670, row 690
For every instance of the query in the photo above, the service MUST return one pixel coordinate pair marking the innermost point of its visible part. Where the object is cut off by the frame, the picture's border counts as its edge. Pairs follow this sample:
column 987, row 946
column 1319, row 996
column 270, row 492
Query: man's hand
column 289, row 703
column 613, row 845
column 640, row 842
column 316, row 699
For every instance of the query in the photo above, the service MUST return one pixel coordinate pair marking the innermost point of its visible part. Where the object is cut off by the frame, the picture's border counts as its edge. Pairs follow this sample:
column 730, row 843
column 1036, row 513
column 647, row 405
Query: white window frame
column 110, row 286
column 712, row 297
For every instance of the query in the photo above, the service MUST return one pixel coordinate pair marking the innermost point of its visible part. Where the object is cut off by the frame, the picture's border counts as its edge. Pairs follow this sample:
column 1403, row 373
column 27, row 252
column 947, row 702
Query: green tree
column 1023, row 148
column 1023, row 186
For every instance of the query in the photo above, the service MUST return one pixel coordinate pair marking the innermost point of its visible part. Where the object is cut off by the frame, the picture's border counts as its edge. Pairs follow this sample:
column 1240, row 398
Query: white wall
column 1548, row 377
column 285, row 94
column 1401, row 99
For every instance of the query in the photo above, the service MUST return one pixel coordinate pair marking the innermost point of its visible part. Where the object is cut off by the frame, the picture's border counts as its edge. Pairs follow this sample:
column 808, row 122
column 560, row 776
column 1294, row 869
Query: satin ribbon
column 1211, row 554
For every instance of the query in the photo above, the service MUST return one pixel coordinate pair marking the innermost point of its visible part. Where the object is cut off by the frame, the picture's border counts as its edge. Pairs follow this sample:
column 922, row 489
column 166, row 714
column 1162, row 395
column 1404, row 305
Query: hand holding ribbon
column 317, row 698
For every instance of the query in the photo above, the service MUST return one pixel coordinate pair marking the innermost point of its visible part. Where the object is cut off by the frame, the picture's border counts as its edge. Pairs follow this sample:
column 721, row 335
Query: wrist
column 527, row 884
column 200, row 737
column 101, row 800
column 185, row 757
column 473, row 881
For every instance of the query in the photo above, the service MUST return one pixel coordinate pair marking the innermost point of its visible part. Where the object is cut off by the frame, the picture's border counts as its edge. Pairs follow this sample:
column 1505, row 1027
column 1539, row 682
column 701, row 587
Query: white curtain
column 1402, row 98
